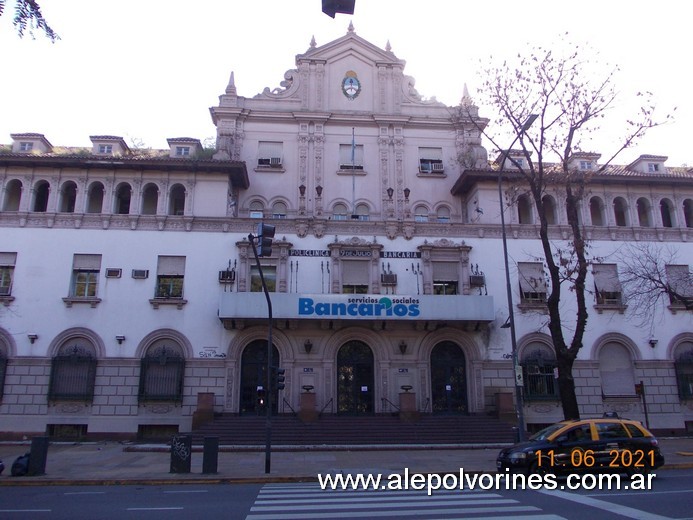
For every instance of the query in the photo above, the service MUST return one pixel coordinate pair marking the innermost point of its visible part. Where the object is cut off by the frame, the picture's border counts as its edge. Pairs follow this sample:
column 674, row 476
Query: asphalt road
column 671, row 497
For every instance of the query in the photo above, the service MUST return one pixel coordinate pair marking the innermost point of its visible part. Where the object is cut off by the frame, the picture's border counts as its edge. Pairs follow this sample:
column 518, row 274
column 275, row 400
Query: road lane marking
column 629, row 512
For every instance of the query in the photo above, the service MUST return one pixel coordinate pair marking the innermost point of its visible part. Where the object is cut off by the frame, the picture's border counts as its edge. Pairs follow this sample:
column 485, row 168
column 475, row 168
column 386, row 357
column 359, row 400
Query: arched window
column 339, row 211
column 443, row 214
column 256, row 209
column 122, row 199
column 421, row 213
column 162, row 372
column 95, row 198
column 644, row 211
column 524, row 210
column 176, row 203
column 73, row 372
column 538, row 366
column 549, row 209
column 597, row 211
column 363, row 212
column 666, row 207
column 616, row 371
column 150, row 199
column 683, row 364
column 13, row 195
column 688, row 212
column 41, row 192
column 68, row 197
column 621, row 211
column 279, row 210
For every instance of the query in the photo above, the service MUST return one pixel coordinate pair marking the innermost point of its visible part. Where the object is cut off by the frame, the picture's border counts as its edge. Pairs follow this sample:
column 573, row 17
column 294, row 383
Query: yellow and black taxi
column 608, row 444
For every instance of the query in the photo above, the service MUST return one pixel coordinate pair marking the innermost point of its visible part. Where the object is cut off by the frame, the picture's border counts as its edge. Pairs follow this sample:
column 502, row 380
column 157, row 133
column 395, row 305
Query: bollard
column 37, row 458
column 181, row 449
column 210, row 454
column 516, row 434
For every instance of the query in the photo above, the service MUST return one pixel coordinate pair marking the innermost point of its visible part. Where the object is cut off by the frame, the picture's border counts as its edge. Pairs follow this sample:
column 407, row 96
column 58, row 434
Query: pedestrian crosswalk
column 309, row 502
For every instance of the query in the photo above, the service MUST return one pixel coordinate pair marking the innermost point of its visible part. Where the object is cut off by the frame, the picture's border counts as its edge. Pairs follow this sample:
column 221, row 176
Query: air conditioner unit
column 388, row 279
column 437, row 167
column 228, row 276
column 477, row 280
column 275, row 161
column 113, row 272
column 140, row 274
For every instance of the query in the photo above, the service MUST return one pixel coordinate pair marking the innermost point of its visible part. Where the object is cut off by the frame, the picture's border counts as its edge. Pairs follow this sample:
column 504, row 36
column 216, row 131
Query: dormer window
column 585, row 165
column 182, row 151
column 653, row 167
column 106, row 149
column 26, row 146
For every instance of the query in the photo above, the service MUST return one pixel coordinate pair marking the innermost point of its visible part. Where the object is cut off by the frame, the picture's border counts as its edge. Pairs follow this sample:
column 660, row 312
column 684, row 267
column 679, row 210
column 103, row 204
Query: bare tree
column 652, row 279
column 28, row 17
column 568, row 109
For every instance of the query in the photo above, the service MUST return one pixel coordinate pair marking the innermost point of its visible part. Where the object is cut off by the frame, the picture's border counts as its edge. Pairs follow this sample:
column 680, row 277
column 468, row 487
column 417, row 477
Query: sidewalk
column 123, row 463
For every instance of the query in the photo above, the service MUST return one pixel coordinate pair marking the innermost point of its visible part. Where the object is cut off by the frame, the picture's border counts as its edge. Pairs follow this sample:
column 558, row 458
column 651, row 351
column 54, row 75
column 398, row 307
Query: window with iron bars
column 3, row 371
column 73, row 375
column 540, row 383
column 161, row 376
column 684, row 375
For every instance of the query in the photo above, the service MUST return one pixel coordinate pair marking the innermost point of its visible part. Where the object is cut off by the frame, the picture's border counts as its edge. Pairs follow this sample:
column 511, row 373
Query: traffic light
column 260, row 396
column 330, row 7
column 280, row 378
column 265, row 234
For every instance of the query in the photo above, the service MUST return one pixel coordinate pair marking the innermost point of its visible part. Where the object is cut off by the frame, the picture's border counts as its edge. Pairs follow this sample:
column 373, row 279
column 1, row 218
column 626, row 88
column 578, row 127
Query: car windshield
column 541, row 435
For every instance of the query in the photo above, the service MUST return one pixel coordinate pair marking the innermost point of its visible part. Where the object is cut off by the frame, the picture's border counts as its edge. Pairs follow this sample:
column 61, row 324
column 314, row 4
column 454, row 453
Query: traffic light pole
column 268, row 400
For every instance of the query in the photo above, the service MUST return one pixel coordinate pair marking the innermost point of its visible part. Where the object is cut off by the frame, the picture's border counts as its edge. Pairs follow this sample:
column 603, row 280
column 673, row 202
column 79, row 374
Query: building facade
column 130, row 288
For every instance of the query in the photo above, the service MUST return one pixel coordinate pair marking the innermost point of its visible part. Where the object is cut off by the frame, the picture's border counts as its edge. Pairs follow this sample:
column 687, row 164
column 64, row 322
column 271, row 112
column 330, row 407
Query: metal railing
column 328, row 403
column 386, row 400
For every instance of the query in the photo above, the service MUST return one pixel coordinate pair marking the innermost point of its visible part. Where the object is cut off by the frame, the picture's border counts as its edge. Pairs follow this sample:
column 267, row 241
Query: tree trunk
column 566, row 386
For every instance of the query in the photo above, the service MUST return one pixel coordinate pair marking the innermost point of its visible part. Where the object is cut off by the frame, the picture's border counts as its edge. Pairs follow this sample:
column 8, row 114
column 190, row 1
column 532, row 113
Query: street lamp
column 511, row 315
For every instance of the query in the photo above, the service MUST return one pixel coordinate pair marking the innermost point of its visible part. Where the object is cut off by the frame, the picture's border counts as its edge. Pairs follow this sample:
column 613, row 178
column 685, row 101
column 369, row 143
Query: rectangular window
column 106, row 148
column 680, row 285
column 269, row 272
column 355, row 277
column 169, row 277
column 445, row 278
column 7, row 263
column 350, row 157
column 430, row 160
column 182, row 151
column 85, row 275
column 270, row 154
column 606, row 284
column 72, row 378
column 533, row 287
column 652, row 167
column 26, row 146
column 585, row 165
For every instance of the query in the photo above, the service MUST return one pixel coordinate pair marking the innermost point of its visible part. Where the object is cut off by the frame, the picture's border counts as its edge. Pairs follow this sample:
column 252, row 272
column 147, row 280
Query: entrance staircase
column 288, row 430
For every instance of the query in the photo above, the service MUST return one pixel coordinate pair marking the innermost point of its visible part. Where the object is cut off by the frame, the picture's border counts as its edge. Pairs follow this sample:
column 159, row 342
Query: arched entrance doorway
column 448, row 379
column 253, row 375
column 355, row 379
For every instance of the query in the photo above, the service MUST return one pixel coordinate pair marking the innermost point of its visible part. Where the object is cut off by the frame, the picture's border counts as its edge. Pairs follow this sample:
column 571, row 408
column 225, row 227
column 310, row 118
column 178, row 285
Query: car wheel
column 536, row 469
column 644, row 470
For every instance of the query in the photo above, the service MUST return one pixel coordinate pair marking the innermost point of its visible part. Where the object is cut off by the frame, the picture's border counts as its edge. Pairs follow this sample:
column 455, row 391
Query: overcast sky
column 150, row 70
